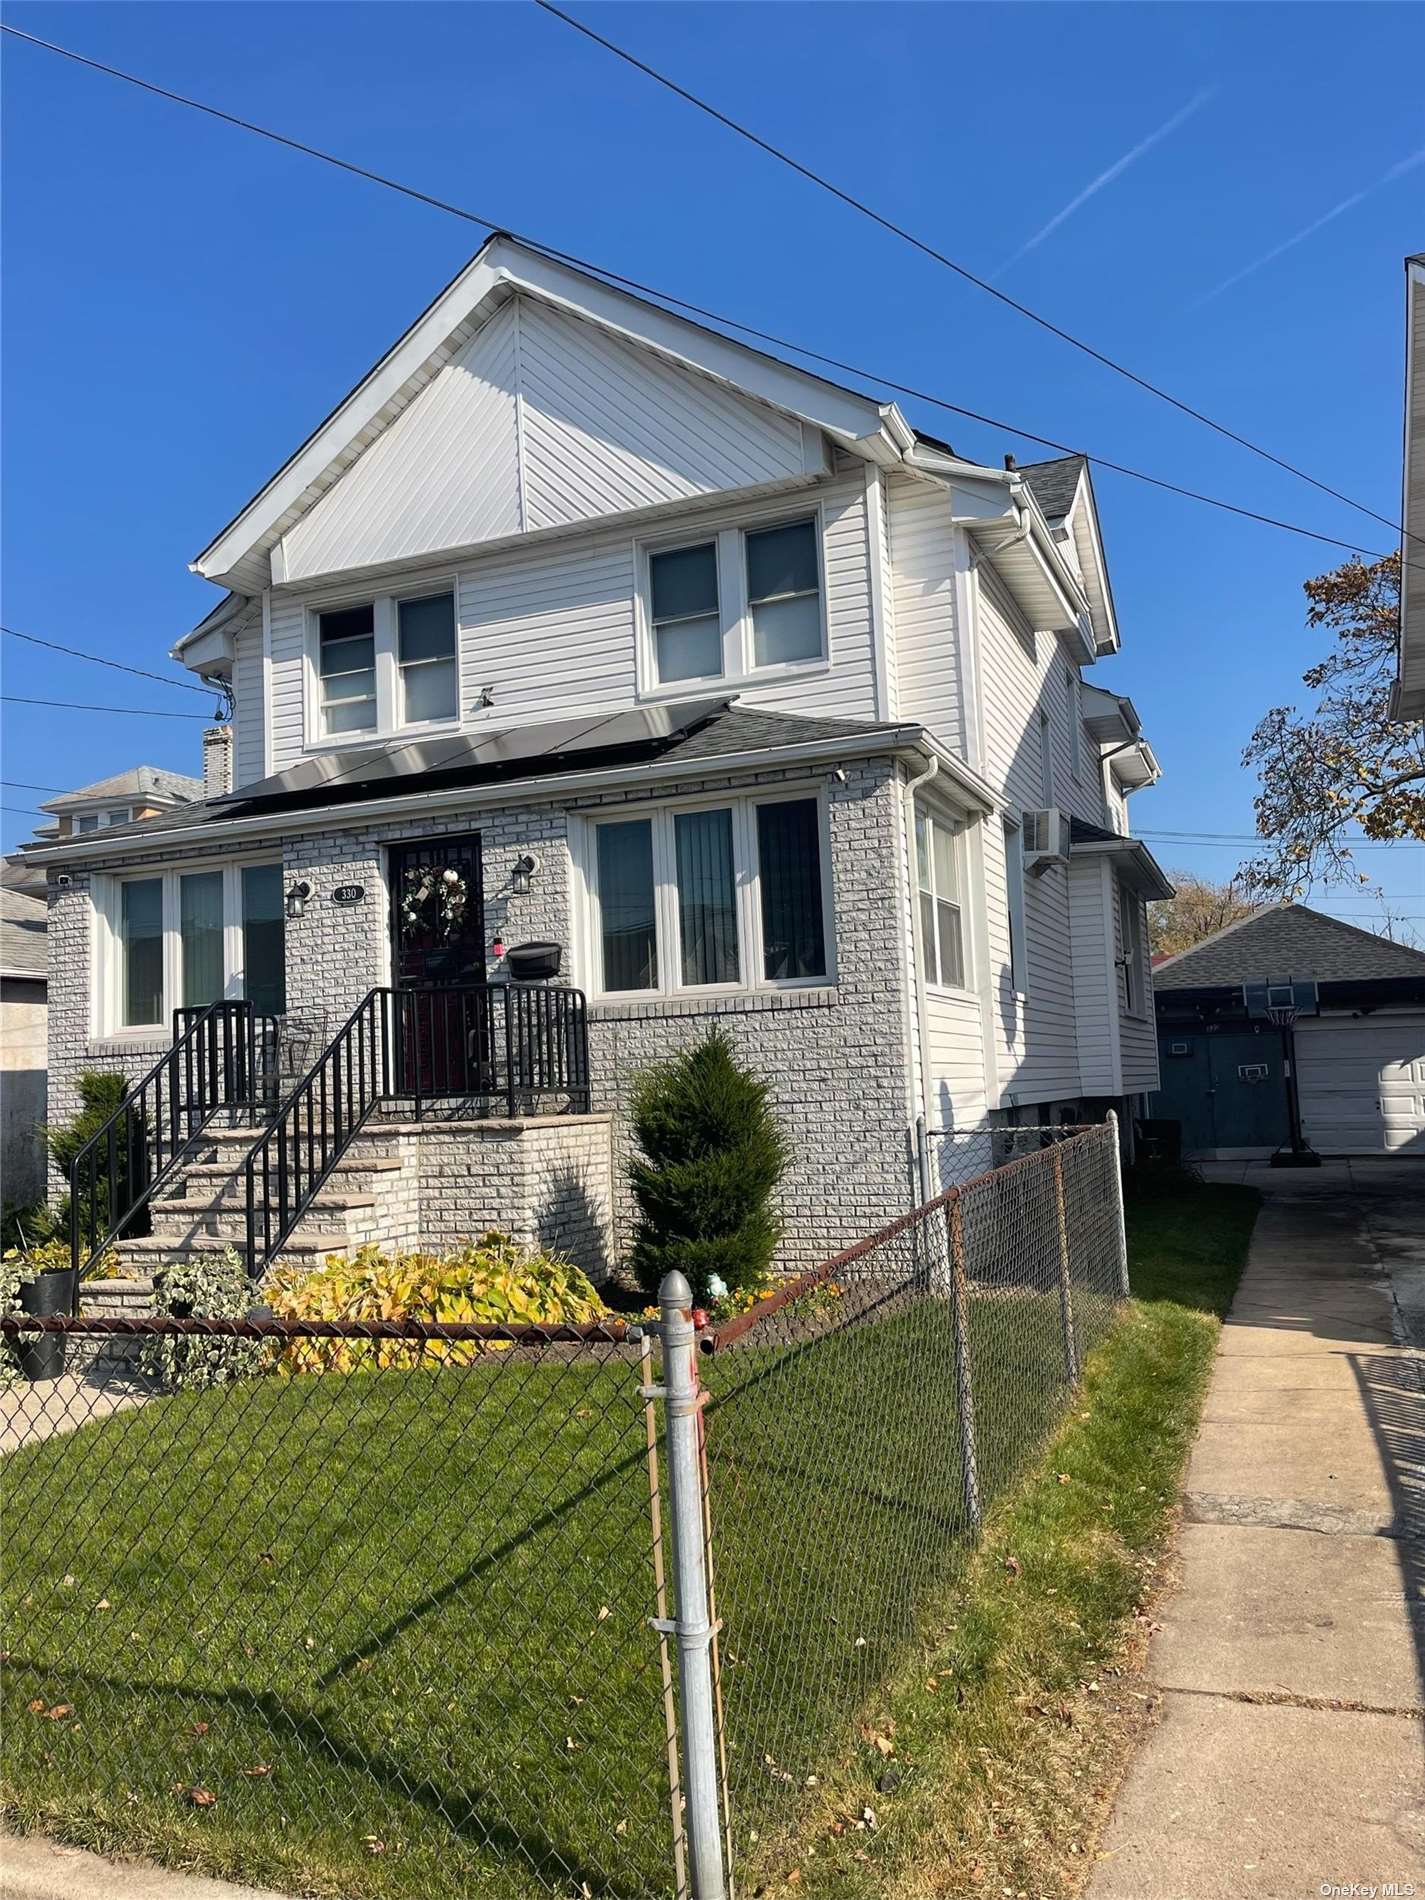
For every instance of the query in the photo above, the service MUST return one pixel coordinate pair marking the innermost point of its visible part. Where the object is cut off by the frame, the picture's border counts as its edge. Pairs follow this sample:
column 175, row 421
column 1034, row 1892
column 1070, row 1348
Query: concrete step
column 335, row 1223
column 218, row 1180
column 142, row 1256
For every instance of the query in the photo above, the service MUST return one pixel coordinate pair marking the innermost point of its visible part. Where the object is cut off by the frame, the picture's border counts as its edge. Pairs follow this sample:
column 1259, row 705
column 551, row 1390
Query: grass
column 395, row 1624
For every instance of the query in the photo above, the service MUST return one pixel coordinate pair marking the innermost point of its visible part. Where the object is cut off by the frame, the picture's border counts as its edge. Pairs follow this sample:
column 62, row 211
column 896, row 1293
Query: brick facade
column 835, row 1055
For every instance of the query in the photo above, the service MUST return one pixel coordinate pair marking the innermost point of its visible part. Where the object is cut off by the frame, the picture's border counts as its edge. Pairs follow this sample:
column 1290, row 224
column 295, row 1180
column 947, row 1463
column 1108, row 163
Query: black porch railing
column 220, row 1059
column 502, row 1047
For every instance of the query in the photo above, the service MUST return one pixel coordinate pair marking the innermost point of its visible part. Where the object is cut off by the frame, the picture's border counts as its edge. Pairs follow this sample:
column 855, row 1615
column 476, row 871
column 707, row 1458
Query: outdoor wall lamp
column 525, row 867
column 297, row 897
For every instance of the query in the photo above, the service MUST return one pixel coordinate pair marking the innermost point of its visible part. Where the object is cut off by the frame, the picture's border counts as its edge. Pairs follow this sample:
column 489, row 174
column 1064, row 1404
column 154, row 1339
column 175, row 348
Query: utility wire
column 68, row 705
column 940, row 257
column 681, row 303
column 98, row 659
column 24, row 785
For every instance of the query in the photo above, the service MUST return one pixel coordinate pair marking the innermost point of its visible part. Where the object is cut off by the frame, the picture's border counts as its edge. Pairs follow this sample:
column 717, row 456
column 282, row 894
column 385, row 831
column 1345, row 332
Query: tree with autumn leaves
column 1344, row 768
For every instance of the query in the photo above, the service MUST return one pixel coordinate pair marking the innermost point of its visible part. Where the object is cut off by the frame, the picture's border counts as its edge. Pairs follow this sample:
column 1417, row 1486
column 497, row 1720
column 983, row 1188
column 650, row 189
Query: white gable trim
column 237, row 556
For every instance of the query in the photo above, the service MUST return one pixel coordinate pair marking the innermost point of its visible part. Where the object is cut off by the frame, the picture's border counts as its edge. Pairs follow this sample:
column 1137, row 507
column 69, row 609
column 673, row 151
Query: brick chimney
column 217, row 761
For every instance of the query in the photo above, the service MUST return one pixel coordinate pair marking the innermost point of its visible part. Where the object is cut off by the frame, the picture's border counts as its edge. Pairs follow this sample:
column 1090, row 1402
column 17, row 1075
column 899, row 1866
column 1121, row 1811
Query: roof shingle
column 1289, row 940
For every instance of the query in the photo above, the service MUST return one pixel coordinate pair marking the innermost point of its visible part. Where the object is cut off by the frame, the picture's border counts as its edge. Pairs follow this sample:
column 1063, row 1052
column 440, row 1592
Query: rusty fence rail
column 393, row 1609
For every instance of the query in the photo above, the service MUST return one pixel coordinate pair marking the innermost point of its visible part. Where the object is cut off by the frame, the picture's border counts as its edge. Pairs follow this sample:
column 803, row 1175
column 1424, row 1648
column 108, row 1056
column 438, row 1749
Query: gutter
column 898, row 741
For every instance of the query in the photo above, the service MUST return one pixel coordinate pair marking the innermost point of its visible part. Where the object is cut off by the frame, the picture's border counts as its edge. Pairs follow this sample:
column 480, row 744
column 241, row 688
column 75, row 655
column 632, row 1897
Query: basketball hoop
column 1281, row 1015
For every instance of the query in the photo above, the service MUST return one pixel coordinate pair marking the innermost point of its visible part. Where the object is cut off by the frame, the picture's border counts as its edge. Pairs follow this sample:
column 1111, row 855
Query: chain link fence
column 953, row 1156
column 431, row 1610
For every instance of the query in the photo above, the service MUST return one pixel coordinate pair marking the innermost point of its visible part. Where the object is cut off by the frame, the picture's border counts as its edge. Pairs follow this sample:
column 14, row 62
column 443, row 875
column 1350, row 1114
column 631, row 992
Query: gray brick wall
column 835, row 1055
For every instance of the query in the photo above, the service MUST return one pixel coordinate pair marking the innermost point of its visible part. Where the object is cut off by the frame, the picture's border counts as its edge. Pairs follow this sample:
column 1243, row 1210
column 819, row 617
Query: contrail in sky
column 1115, row 170
column 1347, row 204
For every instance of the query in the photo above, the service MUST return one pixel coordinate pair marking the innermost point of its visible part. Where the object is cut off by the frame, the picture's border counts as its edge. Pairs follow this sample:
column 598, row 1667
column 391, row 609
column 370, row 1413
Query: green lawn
column 395, row 1623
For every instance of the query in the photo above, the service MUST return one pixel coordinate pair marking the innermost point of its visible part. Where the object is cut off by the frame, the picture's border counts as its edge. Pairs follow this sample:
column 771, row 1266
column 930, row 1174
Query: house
column 1359, row 1038
column 23, row 972
column 579, row 624
column 1410, row 674
column 144, row 791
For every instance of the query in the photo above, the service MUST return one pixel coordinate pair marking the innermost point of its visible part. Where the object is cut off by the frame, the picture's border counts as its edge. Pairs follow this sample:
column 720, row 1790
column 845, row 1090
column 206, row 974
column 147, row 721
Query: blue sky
column 183, row 301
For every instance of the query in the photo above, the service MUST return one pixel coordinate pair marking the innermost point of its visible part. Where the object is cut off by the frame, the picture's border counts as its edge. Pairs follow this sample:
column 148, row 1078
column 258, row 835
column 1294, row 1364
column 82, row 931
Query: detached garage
column 1358, row 1037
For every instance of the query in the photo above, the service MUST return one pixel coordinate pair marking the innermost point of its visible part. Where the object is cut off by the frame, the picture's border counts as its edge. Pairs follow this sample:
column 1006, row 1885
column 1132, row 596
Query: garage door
column 1362, row 1083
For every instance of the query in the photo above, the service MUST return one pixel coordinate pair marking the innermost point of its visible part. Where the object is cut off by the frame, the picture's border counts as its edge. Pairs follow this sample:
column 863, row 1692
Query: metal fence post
column 1121, row 1229
column 964, row 1388
column 1066, row 1291
column 692, row 1621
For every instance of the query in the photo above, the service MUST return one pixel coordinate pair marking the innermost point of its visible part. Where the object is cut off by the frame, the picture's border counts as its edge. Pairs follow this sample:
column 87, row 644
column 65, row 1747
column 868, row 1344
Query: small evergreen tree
column 100, row 1095
column 712, row 1157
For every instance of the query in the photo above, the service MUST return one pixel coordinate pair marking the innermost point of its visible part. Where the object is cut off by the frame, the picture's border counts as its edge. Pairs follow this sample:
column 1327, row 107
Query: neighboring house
column 1359, row 1038
column 767, row 710
column 144, row 791
column 1410, row 686
column 22, row 1045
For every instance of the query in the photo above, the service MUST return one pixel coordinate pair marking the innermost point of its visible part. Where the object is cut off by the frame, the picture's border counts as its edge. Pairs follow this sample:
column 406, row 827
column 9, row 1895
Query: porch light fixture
column 297, row 898
column 525, row 867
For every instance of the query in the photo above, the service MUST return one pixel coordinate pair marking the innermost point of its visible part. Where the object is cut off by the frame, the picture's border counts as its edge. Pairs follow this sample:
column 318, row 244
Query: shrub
column 100, row 1094
column 27, row 1227
column 53, row 1256
column 712, row 1157
column 203, row 1287
column 489, row 1281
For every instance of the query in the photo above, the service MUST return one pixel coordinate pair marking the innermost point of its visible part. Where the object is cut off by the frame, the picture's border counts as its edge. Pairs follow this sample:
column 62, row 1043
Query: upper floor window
column 1014, row 902
column 386, row 664
column 740, row 602
column 715, row 896
column 1130, row 959
column 92, row 820
column 1046, row 760
column 1076, row 724
column 940, row 880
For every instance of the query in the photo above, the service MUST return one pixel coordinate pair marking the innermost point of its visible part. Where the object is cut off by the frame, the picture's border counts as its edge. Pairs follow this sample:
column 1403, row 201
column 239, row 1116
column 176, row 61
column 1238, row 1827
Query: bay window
column 384, row 665
column 736, row 603
column 187, row 939
column 713, row 896
column 940, row 880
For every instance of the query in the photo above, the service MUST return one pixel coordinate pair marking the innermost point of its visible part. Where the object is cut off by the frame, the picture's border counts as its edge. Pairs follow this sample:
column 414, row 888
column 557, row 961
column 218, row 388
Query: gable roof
column 1055, row 484
column 238, row 556
column 141, row 784
column 24, row 938
column 1289, row 940
column 1064, row 490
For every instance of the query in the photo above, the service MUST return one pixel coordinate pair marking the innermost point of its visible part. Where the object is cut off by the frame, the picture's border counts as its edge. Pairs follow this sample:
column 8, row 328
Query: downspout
column 921, row 1023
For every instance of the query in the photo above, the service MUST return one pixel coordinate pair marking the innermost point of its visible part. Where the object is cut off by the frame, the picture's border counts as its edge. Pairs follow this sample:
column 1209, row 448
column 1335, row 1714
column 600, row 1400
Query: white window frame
column 739, row 667
column 1076, row 724
column 390, row 691
column 930, row 952
column 107, row 999
column 1130, row 950
column 1046, row 759
column 1018, row 965
column 752, row 978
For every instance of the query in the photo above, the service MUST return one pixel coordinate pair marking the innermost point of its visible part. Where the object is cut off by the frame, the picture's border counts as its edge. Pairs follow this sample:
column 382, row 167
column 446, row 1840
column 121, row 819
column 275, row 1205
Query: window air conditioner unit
column 1046, row 839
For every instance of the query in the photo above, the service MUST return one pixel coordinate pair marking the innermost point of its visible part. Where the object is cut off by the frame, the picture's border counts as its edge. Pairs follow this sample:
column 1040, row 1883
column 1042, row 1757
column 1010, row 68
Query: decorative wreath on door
column 434, row 901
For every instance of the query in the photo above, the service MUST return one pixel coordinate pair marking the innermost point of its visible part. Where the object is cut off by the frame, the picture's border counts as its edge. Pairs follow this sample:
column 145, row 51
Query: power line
column 68, row 705
column 1223, row 844
column 98, row 659
column 940, row 257
column 683, row 304
column 24, row 785
column 23, row 811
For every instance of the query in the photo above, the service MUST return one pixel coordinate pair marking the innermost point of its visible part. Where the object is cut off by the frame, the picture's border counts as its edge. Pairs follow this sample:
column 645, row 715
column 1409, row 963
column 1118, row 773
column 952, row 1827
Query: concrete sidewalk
column 36, row 1869
column 1290, row 1754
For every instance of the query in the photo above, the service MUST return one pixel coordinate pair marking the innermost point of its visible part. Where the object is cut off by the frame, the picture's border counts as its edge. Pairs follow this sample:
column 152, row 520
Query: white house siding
column 955, row 1034
column 928, row 664
column 551, row 626
column 248, row 711
column 541, row 420
column 1093, row 925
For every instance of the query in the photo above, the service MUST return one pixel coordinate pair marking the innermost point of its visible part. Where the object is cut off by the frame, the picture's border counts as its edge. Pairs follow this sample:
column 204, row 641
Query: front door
column 438, row 963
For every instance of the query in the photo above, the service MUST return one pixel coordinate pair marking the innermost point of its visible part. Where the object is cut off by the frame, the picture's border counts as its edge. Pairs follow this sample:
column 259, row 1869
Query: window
column 92, row 820
column 426, row 656
column 346, row 641
column 1014, row 895
column 784, row 594
column 385, row 665
column 189, row 938
column 710, row 897
column 741, row 602
column 687, row 619
column 1076, row 724
column 1046, row 760
column 937, row 860
column 141, row 952
column 1130, row 931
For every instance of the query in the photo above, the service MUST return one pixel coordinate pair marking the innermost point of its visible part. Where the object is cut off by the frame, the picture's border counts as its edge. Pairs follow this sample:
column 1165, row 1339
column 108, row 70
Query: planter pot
column 42, row 1356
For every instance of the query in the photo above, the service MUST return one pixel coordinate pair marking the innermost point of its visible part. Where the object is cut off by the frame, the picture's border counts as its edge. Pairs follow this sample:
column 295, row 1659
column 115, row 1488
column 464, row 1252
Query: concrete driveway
column 1290, row 1755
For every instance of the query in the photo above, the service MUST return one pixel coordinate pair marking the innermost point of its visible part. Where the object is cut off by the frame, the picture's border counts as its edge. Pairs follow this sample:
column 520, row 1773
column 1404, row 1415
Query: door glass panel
column 627, row 918
column 141, row 937
column 264, row 939
column 707, row 897
column 200, row 922
column 789, row 870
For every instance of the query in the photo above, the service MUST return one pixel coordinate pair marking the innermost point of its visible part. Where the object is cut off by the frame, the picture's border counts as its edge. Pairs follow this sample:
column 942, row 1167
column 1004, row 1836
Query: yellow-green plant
column 52, row 1256
column 489, row 1281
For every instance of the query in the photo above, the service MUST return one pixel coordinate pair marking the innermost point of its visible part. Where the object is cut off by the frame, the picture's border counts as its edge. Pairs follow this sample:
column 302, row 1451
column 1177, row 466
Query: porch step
column 140, row 1256
column 213, row 1181
column 328, row 1213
